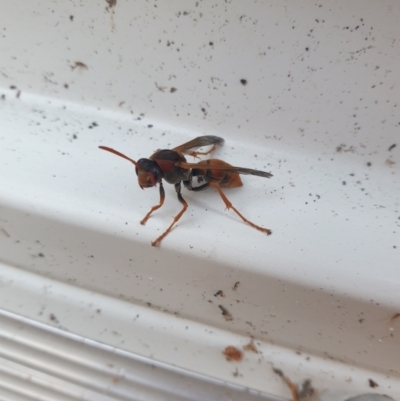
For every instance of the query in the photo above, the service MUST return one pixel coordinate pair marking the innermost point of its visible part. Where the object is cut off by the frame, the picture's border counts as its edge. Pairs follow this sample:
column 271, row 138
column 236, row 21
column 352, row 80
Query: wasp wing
column 198, row 142
column 227, row 168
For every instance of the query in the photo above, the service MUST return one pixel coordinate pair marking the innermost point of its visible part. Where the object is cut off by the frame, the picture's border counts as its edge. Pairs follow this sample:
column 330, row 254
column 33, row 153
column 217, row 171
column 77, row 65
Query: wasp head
column 148, row 172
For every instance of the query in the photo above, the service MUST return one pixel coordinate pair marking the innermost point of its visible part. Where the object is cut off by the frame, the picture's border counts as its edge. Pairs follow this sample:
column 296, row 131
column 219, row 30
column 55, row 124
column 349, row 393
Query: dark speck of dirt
column 150, row 126
column 369, row 164
column 53, row 317
column 173, row 90
column 372, row 383
column 66, row 86
column 13, row 87
column 391, row 147
column 243, row 81
column 225, row 313
column 307, row 49
column 111, row 3
column 71, row 17
column 3, row 97
column 361, row 320
column 74, row 136
column 41, row 255
column 219, row 293
column 211, row 43
column 278, row 372
column 95, row 124
column 79, row 64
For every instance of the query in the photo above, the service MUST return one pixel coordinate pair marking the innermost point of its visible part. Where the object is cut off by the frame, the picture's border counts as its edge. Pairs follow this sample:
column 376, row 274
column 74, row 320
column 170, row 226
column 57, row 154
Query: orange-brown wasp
column 171, row 165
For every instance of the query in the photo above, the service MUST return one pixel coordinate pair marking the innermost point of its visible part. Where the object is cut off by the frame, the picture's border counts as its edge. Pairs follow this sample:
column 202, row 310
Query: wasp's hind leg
column 229, row 205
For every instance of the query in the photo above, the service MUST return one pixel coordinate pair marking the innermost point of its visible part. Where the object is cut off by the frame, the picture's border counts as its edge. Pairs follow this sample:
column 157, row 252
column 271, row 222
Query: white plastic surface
column 318, row 109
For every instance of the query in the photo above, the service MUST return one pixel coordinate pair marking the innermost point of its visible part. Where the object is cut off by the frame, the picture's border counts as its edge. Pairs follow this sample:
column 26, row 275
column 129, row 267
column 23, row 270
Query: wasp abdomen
column 223, row 178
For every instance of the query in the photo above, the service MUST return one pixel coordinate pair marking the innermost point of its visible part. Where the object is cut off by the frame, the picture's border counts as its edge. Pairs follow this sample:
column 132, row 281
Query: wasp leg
column 176, row 218
column 162, row 197
column 229, row 205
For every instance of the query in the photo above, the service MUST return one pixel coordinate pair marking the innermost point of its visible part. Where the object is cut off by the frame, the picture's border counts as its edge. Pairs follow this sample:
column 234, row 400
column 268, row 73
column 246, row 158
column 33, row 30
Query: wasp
column 170, row 165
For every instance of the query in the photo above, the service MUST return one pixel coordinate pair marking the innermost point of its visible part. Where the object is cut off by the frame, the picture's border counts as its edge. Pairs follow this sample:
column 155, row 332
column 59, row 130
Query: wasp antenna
column 118, row 154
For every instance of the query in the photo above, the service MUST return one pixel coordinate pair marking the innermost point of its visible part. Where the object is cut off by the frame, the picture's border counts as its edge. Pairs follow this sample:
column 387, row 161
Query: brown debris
column 225, row 313
column 80, row 65
column 306, row 392
column 5, row 232
column 232, row 354
column 250, row 346
column 111, row 3
column 373, row 383
column 393, row 318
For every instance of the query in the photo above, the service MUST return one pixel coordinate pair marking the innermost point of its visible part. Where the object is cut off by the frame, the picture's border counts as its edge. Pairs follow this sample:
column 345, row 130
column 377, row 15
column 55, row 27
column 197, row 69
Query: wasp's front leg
column 176, row 218
column 162, row 197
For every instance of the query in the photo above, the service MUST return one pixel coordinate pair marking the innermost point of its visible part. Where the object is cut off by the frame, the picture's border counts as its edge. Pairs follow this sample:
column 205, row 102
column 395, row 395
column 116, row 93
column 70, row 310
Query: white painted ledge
column 319, row 110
